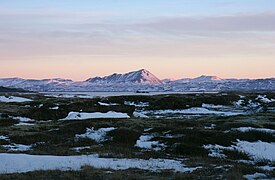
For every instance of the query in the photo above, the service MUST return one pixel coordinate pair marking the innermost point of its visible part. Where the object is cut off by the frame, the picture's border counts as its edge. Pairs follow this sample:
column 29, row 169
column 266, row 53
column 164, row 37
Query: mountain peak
column 143, row 71
column 141, row 76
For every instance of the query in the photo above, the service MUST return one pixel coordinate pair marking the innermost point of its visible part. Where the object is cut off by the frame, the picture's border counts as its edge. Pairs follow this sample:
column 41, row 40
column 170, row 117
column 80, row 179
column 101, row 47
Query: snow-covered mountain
column 141, row 80
column 142, row 76
column 204, row 78
column 200, row 79
column 39, row 85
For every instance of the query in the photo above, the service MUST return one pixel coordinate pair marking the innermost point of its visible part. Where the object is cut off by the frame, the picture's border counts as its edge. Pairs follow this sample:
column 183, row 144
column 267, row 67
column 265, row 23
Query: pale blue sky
column 150, row 7
column 98, row 37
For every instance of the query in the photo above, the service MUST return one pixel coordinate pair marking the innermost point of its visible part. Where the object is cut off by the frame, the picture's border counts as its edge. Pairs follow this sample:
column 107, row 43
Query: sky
column 79, row 39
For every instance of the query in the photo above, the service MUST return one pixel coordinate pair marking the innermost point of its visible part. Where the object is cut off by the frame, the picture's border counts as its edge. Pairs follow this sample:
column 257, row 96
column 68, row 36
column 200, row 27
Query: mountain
column 204, row 78
column 141, row 80
column 38, row 85
column 200, row 79
column 142, row 76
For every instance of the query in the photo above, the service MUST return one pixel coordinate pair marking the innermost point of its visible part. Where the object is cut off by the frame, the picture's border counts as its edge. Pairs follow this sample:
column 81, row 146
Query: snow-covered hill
column 142, row 76
column 141, row 80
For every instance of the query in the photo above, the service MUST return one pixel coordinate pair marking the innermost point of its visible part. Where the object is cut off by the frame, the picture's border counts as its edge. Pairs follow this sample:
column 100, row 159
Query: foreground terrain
column 176, row 136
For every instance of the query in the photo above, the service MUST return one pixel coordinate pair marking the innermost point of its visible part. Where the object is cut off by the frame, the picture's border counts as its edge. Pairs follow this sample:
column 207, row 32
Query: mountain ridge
column 140, row 80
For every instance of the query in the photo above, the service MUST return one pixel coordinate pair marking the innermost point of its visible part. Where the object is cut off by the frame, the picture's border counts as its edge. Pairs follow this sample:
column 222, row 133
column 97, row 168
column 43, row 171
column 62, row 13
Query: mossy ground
column 185, row 141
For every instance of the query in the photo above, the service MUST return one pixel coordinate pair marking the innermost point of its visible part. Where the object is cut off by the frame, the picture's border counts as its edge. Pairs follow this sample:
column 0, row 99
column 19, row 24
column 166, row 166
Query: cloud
column 51, row 13
column 229, row 23
column 239, row 35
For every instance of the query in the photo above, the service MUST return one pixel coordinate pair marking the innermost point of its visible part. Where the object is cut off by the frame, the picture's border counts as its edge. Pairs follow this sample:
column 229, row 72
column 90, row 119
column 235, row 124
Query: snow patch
column 24, row 124
column 212, row 106
column 215, row 150
column 139, row 115
column 55, row 108
column 212, row 126
column 9, row 99
column 255, row 176
column 97, row 135
column 5, row 138
column 40, row 105
column 246, row 129
column 137, row 104
column 94, row 115
column 194, row 111
column 78, row 149
column 17, row 147
column 18, row 163
column 106, row 104
column 266, row 168
column 22, row 119
column 264, row 99
column 144, row 142
column 257, row 150
column 239, row 103
column 252, row 104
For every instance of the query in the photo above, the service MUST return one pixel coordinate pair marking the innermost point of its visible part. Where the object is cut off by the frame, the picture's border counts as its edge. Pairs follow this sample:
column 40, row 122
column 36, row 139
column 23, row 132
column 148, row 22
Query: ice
column 94, row 115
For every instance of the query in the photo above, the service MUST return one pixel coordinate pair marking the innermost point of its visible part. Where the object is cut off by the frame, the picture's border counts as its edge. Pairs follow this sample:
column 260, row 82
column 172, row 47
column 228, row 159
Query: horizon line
column 172, row 79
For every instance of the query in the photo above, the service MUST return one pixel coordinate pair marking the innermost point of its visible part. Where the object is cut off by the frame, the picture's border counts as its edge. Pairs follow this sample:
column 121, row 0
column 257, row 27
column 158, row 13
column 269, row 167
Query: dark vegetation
column 186, row 136
column 6, row 89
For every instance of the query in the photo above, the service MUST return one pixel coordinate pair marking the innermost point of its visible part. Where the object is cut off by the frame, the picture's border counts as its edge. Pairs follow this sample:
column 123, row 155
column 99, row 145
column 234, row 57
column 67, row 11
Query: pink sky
column 83, row 39
column 162, row 68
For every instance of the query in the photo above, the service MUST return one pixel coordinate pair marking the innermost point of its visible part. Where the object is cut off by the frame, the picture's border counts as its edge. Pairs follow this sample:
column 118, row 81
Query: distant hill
column 141, row 80
column 6, row 89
